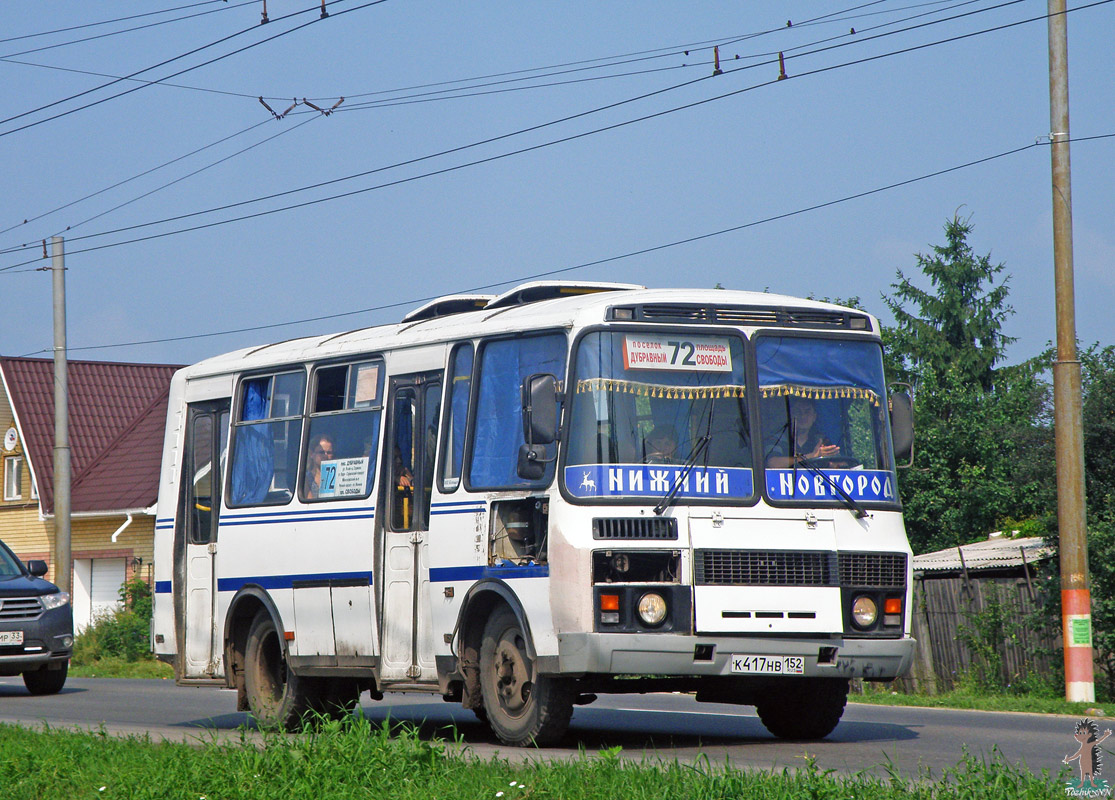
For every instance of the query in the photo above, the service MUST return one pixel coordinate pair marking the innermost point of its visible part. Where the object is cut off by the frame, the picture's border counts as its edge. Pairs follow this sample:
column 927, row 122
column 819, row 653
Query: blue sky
column 654, row 149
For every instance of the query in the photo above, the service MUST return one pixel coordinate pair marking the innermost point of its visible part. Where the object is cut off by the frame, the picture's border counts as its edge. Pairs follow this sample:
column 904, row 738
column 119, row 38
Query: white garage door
column 96, row 589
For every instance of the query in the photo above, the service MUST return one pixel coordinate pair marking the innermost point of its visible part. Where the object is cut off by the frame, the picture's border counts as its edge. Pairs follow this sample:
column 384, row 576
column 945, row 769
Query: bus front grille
column 635, row 528
column 873, row 570
column 764, row 568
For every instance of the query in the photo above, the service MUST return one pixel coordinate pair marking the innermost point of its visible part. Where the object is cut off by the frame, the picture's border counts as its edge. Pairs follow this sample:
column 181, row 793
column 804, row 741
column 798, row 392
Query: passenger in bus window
column 809, row 443
column 321, row 449
column 661, row 445
column 402, row 475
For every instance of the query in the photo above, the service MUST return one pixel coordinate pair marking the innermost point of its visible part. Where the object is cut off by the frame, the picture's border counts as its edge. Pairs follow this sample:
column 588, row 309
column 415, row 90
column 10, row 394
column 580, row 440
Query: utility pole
column 1076, row 600
column 62, row 559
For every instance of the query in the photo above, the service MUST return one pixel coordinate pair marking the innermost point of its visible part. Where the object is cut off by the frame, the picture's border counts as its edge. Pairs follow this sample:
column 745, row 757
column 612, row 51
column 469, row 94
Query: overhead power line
column 496, row 157
column 395, row 101
column 600, row 261
column 112, row 21
column 56, row 45
column 180, row 72
column 118, row 184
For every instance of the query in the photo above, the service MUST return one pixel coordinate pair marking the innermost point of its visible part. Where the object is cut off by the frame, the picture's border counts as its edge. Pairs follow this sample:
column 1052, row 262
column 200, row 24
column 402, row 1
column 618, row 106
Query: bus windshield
column 822, row 407
column 642, row 403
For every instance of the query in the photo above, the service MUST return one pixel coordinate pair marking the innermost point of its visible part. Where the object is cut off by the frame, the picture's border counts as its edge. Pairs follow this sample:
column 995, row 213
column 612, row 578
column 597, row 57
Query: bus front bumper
column 669, row 654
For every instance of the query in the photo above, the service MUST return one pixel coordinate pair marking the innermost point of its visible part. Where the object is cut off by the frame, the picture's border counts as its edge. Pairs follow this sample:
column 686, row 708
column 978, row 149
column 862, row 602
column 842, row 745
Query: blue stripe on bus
column 446, row 574
column 437, row 575
column 306, row 514
column 296, row 512
column 285, row 581
column 234, row 523
column 320, row 514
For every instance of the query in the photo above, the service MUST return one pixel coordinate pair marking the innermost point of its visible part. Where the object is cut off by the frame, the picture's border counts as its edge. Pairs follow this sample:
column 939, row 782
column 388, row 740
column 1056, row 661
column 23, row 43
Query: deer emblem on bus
column 588, row 483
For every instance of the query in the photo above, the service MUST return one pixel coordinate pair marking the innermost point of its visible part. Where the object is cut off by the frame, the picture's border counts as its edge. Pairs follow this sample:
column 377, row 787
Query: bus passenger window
column 460, row 390
column 343, row 435
column 265, row 442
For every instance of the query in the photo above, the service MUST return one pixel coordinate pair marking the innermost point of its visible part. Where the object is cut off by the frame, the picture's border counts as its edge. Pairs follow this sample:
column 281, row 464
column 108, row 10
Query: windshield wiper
column 849, row 501
column 665, row 502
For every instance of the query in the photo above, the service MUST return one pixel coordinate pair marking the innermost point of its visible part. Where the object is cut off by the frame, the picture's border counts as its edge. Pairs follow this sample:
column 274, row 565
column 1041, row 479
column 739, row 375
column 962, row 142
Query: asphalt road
column 660, row 726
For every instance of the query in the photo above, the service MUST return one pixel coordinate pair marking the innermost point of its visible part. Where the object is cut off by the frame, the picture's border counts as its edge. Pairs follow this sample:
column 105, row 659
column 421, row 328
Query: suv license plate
column 11, row 637
column 768, row 665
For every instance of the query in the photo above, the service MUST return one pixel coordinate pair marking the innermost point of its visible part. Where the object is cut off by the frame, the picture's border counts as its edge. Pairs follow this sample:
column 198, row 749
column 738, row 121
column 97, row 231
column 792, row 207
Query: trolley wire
column 498, row 156
column 600, row 261
column 174, row 74
column 56, row 45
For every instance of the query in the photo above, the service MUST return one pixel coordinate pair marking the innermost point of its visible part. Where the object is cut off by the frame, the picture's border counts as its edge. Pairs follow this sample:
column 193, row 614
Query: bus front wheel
column 522, row 707
column 276, row 696
column 806, row 708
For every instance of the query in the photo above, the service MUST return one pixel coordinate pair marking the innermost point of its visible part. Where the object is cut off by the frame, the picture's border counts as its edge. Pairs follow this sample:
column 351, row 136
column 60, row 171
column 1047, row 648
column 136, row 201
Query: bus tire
column 806, row 708
column 522, row 707
column 277, row 697
column 46, row 681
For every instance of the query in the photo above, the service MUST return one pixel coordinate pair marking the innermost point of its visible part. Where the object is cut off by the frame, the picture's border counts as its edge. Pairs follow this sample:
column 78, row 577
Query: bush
column 122, row 634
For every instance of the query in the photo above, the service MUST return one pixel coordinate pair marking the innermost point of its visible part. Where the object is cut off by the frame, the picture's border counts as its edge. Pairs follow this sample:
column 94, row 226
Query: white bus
column 520, row 502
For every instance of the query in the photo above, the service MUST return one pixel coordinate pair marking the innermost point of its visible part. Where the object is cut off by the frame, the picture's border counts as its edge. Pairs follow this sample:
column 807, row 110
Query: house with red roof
column 117, row 413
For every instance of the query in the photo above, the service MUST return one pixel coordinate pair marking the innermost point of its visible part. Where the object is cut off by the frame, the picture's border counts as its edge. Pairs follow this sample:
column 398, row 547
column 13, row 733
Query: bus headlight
column 652, row 609
column 864, row 611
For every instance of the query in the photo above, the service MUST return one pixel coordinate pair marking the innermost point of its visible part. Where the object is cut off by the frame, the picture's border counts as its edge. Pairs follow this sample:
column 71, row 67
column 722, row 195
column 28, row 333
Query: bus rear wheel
column 522, row 707
column 806, row 708
column 276, row 696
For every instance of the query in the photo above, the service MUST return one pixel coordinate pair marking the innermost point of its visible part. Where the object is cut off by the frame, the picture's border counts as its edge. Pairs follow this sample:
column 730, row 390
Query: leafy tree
column 980, row 450
column 957, row 324
column 1099, row 429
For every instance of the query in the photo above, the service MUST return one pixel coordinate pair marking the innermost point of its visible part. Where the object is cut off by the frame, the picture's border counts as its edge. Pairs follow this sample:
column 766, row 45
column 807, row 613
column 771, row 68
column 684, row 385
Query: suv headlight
column 57, row 600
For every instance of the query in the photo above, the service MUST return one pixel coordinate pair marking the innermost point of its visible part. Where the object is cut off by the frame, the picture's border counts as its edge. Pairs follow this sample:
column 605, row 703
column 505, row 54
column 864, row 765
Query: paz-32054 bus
column 520, row 502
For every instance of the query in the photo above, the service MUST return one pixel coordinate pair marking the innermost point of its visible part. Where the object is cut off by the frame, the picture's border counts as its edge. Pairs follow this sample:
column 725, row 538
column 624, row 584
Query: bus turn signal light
column 609, row 602
column 892, row 605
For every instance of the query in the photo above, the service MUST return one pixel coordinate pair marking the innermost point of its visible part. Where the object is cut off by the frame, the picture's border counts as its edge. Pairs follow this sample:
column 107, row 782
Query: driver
column 809, row 443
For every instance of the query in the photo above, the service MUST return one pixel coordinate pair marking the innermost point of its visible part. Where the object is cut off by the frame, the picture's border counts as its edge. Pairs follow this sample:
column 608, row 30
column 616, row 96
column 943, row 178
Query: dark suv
column 36, row 625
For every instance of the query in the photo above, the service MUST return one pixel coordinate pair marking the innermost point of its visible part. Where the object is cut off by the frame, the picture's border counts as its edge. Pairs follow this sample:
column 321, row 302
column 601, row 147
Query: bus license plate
column 11, row 637
column 769, row 665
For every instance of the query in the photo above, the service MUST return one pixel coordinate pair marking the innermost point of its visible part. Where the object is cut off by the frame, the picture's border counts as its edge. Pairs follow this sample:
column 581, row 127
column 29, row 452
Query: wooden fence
column 944, row 608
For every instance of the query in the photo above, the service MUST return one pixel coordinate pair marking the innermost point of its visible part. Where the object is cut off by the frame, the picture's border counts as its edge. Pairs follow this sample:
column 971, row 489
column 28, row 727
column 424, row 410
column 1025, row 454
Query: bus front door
column 203, row 469
column 414, row 403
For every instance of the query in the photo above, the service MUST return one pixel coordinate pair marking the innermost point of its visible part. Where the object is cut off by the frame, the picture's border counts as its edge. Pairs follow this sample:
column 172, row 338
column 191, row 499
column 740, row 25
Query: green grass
column 116, row 667
column 982, row 701
column 355, row 759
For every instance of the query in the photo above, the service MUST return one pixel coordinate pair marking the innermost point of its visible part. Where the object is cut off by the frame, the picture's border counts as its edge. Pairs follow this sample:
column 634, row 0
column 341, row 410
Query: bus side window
column 342, row 440
column 498, row 433
column 266, row 436
column 456, row 417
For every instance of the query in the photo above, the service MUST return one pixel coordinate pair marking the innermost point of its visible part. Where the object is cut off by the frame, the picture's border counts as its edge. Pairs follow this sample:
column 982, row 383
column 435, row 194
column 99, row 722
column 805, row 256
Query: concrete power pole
column 63, row 561
column 1076, row 600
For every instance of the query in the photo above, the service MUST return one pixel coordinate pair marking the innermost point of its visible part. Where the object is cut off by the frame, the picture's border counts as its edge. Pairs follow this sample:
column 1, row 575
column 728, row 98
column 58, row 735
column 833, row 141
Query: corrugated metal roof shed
column 117, row 415
column 997, row 552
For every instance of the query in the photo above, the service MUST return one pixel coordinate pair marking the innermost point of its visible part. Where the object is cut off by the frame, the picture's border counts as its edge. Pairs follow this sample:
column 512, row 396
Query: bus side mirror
column 902, row 428
column 540, row 424
column 540, row 409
